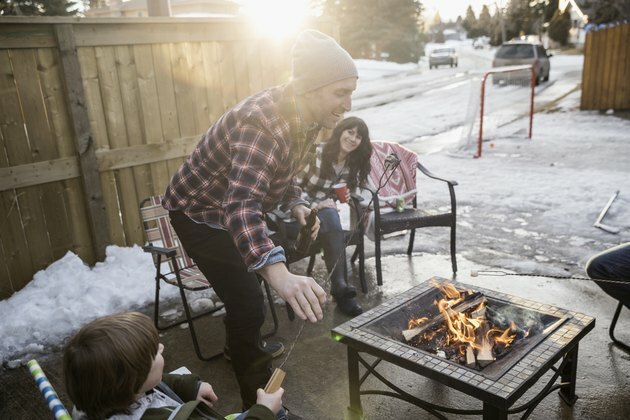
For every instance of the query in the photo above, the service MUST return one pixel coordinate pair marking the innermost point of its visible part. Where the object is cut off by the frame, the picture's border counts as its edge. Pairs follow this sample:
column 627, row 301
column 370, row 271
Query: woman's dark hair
column 358, row 160
column 107, row 361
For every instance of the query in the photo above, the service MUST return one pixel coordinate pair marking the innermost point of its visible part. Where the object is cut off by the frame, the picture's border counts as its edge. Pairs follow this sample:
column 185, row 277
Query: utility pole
column 501, row 22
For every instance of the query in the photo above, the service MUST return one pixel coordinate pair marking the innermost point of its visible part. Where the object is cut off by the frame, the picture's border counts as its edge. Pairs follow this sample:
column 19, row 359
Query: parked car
column 516, row 53
column 443, row 56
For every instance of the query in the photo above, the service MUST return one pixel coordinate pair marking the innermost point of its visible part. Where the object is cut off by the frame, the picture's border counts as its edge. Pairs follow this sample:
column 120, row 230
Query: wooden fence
column 96, row 114
column 605, row 78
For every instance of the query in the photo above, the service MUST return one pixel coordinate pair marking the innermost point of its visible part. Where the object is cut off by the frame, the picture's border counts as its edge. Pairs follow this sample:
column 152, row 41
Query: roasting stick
column 275, row 382
column 500, row 273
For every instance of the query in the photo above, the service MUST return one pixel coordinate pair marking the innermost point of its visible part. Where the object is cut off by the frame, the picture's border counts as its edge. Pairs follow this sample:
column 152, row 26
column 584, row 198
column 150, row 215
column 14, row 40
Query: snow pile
column 69, row 293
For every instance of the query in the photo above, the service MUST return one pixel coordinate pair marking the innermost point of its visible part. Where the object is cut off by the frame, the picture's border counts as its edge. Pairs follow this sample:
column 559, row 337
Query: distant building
column 578, row 20
column 181, row 8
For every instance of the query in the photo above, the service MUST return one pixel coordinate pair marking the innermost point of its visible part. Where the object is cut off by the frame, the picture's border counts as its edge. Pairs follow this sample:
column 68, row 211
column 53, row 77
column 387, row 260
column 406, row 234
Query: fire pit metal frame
column 497, row 395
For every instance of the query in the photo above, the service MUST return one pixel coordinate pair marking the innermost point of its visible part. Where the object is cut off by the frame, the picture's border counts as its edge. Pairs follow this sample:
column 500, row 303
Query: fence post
column 75, row 97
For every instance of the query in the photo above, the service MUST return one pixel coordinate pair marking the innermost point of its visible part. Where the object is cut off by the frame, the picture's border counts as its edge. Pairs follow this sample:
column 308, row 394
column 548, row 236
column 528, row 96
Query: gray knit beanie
column 319, row 61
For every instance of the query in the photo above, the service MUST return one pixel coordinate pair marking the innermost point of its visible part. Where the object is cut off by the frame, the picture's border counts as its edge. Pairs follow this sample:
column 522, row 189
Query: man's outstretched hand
column 305, row 296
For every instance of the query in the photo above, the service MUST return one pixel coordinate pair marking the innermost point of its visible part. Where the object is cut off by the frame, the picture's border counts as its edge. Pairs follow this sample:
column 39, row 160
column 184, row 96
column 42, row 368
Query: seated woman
column 344, row 158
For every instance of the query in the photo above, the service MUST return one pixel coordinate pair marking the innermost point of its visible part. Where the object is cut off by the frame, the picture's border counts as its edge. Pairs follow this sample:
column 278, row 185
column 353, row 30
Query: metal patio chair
column 613, row 324
column 392, row 181
column 175, row 267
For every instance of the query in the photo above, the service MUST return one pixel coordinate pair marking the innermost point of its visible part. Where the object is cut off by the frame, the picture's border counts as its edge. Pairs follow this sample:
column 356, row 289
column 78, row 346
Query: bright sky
column 281, row 17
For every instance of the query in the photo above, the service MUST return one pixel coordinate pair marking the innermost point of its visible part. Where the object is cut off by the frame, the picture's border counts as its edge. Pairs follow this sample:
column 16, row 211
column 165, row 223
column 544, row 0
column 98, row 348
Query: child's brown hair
column 107, row 361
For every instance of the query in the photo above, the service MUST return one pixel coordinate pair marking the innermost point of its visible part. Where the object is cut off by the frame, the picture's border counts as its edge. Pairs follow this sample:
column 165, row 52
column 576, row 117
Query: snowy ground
column 526, row 205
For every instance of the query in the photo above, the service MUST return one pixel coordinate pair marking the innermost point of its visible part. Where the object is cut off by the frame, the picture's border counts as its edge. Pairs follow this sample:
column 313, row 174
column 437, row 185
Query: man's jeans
column 218, row 259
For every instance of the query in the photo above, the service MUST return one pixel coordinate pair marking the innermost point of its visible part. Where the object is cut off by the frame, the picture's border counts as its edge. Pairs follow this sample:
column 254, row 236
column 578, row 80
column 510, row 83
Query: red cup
column 342, row 191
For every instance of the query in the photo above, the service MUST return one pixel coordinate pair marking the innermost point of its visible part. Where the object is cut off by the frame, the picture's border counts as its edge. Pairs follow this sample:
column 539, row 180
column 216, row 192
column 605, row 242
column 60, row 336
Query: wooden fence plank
column 112, row 97
column 622, row 99
column 213, row 80
column 150, row 113
column 98, row 128
column 25, row 201
column 166, row 95
column 255, row 67
column 23, row 35
column 201, row 106
column 228, row 80
column 607, row 93
column 56, row 238
column 30, row 174
column 240, row 70
column 598, row 67
column 81, row 133
column 17, row 258
column 6, row 287
column 613, row 60
column 183, row 83
column 128, row 78
column 587, row 77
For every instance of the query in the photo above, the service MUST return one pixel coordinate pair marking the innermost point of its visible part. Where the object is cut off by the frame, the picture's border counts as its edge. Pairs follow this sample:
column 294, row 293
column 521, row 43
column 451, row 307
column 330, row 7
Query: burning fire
column 467, row 332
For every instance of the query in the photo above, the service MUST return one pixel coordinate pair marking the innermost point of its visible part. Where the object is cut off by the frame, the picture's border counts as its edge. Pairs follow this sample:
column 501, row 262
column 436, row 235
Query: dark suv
column 516, row 53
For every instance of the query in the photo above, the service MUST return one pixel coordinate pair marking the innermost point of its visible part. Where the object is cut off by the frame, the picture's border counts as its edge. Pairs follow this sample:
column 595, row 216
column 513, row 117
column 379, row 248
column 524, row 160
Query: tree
column 39, row 8
column 607, row 11
column 371, row 27
column 559, row 27
column 470, row 23
column 484, row 22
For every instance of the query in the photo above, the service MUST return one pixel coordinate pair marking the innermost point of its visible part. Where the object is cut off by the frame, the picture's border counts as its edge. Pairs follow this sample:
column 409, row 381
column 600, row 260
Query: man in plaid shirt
column 243, row 167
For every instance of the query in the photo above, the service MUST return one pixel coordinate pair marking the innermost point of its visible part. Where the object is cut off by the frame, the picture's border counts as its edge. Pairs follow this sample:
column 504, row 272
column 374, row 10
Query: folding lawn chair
column 175, row 267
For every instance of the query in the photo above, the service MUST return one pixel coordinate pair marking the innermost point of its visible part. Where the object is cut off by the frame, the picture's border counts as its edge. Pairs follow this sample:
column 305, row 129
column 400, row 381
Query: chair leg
column 412, row 236
column 191, row 327
column 355, row 254
column 311, row 264
column 611, row 330
column 453, row 256
column 377, row 251
column 361, row 250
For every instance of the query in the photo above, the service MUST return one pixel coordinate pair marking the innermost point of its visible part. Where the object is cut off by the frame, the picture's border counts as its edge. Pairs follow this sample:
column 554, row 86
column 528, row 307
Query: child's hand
column 271, row 401
column 206, row 394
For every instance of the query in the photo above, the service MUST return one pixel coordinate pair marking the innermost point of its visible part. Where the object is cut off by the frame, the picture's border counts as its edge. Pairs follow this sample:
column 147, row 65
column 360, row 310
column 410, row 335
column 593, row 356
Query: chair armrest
column 167, row 252
column 430, row 175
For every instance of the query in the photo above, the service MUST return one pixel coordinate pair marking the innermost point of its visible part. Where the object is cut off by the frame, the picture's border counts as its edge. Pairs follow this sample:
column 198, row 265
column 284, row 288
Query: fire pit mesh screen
column 501, row 381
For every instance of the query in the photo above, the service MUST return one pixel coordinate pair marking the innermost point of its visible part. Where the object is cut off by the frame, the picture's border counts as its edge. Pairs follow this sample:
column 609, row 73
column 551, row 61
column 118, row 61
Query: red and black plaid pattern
column 243, row 167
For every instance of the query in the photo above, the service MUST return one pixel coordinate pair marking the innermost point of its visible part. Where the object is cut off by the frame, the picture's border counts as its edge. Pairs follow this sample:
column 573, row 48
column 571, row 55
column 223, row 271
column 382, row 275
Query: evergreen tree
column 470, row 23
column 607, row 11
column 484, row 22
column 39, row 7
column 369, row 27
column 559, row 27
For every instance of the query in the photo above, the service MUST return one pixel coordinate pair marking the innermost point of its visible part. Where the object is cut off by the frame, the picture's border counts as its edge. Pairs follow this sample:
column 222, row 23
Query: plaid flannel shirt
column 244, row 166
column 317, row 188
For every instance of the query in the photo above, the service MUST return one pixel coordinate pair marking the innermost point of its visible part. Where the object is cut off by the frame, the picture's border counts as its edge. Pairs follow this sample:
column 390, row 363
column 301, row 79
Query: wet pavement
column 317, row 381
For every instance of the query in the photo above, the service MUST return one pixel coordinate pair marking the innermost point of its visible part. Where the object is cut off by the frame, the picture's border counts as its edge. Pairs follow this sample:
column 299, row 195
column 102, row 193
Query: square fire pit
column 498, row 385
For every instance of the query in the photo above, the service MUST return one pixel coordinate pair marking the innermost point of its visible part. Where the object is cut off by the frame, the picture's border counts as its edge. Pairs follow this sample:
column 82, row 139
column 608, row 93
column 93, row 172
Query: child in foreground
column 113, row 369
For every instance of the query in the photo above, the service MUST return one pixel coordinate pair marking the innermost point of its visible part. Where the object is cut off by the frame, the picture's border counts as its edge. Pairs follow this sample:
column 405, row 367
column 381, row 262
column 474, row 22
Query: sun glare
column 276, row 18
